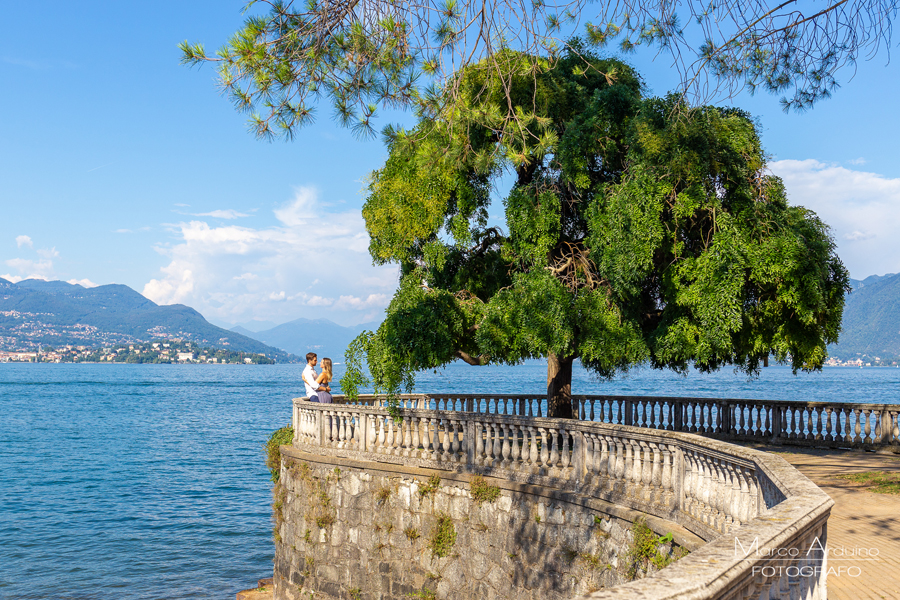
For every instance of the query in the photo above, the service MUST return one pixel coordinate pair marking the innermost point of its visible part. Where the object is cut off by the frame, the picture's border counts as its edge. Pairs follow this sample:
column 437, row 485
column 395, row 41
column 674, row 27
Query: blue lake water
column 148, row 482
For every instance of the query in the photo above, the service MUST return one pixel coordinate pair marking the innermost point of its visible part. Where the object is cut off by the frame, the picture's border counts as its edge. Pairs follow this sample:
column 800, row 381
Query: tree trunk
column 559, row 387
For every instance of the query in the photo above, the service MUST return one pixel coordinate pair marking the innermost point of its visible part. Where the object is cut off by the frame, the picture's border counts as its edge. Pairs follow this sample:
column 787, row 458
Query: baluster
column 868, row 416
column 566, row 456
column 646, row 465
column 743, row 511
column 723, row 493
column 755, row 509
column 829, row 434
column 734, row 506
column 857, row 428
column 389, row 435
column 532, row 447
column 515, row 450
column 479, row 443
column 338, row 428
column 415, row 435
column 456, row 445
column 435, row 435
column 656, row 469
column 895, row 418
column 505, row 450
column 629, row 461
column 496, row 448
column 554, row 452
column 727, row 503
column 406, row 439
column 445, row 434
column 668, row 455
column 690, row 482
column 382, row 433
column 602, row 461
column 545, row 453
column 705, row 486
column 591, row 406
column 619, row 464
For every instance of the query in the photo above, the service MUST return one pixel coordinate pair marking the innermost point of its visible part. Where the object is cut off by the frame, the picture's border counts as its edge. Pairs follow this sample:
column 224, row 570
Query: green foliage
column 423, row 594
column 428, row 489
column 881, row 482
column 279, row 437
column 644, row 550
column 482, row 491
column 411, row 533
column 638, row 232
column 382, row 494
column 443, row 537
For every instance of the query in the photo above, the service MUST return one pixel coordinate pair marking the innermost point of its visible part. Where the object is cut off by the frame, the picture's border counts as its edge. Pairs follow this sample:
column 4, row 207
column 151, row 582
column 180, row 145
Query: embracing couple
column 317, row 385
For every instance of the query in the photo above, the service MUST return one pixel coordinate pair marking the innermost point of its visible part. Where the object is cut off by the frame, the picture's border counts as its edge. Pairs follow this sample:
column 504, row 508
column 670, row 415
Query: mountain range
column 871, row 325
column 36, row 313
column 300, row 336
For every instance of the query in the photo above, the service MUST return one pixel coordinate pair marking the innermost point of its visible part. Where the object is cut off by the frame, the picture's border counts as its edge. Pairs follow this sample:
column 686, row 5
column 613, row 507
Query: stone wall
column 366, row 530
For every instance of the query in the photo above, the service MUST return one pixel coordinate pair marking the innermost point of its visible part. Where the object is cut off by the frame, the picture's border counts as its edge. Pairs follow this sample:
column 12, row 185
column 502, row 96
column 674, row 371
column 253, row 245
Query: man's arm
column 311, row 382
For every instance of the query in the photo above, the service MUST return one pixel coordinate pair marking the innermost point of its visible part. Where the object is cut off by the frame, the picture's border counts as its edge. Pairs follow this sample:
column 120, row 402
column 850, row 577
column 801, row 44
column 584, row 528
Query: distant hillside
column 871, row 325
column 35, row 313
column 300, row 336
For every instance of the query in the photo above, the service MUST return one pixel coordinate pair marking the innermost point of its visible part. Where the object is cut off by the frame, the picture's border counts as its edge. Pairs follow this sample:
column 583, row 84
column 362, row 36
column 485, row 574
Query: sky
column 120, row 165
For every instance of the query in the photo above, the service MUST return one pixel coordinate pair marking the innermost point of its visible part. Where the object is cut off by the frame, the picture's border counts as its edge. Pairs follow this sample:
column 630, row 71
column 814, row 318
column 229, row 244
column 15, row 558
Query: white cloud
column 862, row 208
column 279, row 273
column 24, row 240
column 83, row 283
column 319, row 301
column 857, row 161
column 48, row 252
column 222, row 214
column 13, row 278
column 855, row 236
column 32, row 269
column 354, row 302
column 300, row 210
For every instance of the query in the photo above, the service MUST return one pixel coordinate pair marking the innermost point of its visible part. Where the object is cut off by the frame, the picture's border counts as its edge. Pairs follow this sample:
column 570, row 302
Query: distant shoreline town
column 174, row 351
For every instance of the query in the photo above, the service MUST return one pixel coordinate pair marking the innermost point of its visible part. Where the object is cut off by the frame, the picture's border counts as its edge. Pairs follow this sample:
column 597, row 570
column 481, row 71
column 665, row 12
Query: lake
column 148, row 482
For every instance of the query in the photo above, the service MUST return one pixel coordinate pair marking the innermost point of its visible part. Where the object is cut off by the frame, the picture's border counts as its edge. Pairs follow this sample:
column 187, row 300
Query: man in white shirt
column 310, row 376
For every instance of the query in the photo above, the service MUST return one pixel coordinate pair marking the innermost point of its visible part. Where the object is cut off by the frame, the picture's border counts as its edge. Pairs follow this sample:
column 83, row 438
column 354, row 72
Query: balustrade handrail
column 828, row 424
column 723, row 493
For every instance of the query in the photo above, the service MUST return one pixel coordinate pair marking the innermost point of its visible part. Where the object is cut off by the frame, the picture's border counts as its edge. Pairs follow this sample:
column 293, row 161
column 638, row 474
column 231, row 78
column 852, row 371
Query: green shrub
column 482, row 491
column 279, row 437
column 427, row 489
column 443, row 538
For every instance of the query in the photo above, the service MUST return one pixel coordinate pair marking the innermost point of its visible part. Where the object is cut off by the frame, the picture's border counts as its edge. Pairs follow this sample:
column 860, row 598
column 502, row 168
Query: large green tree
column 634, row 234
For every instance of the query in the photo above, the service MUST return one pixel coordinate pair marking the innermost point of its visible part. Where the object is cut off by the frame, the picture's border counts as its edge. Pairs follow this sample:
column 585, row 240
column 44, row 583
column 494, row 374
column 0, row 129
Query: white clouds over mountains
column 313, row 264
column 863, row 210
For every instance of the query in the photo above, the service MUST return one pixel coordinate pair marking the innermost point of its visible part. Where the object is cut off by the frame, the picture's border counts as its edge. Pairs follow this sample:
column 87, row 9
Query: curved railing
column 730, row 496
column 826, row 424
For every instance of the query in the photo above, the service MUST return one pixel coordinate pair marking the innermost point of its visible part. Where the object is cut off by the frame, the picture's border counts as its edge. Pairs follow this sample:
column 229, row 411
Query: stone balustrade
column 823, row 424
column 636, row 453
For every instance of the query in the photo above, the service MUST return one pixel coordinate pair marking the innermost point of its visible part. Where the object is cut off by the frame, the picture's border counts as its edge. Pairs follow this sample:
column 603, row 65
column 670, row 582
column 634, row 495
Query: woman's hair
column 326, row 366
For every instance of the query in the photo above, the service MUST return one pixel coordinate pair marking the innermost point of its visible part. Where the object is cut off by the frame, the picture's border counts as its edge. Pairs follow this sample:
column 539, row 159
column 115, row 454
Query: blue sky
column 119, row 165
